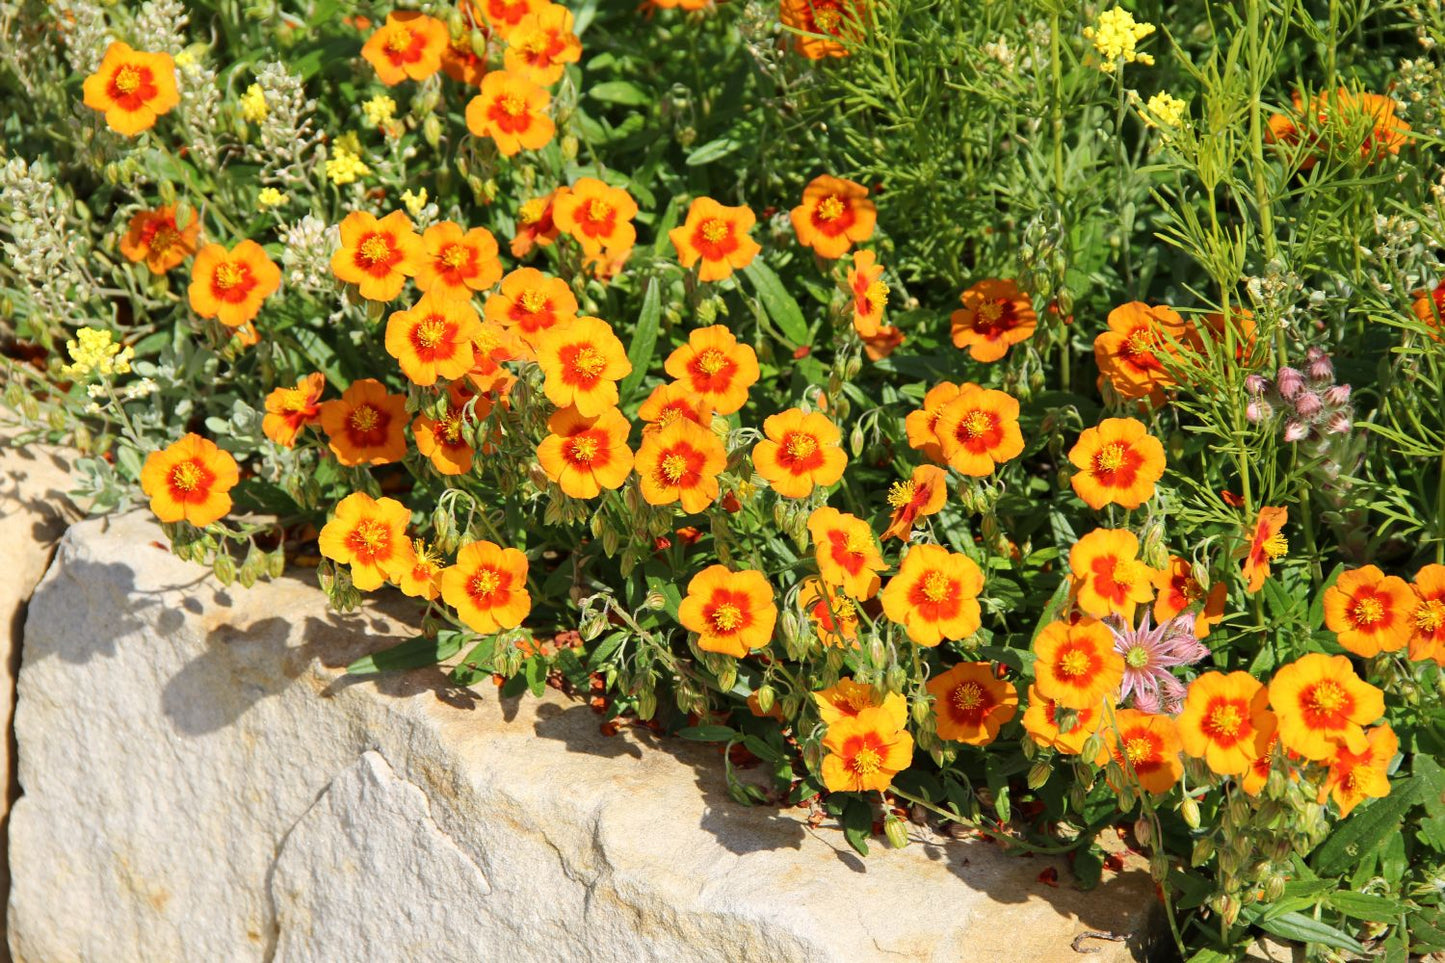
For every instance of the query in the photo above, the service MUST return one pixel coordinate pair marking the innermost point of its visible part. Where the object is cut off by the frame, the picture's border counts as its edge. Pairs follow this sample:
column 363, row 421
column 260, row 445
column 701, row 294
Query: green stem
column 993, row 833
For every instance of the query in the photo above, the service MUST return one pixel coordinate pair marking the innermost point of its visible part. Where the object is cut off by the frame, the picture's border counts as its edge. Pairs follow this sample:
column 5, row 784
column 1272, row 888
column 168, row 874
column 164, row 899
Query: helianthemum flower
column 586, row 455
column 672, row 401
column 865, row 752
column 366, row 426
column 833, row 614
column 455, row 263
column 680, row 463
column 1226, row 721
column 922, row 494
column 531, row 303
column 288, row 410
column 717, row 369
column 731, row 612
column 422, row 576
column 542, row 45
column 823, row 28
column 1131, row 353
column 835, row 215
column 189, row 481
column 922, row 424
column 443, row 437
column 1179, row 590
column 511, row 110
column 995, row 316
column 846, row 552
column 715, row 238
column 1077, row 665
column 1370, row 611
column 155, row 238
column 1266, row 545
column 597, row 216
column 535, row 224
column 979, row 430
column 1357, row 776
column 1118, row 463
column 1146, row 747
column 1045, row 722
column 1150, row 654
column 800, row 451
column 583, row 363
column 488, row 587
column 1108, row 576
column 1321, row 703
column 132, row 88
column 846, row 699
column 377, row 255
column 408, row 45
column 1427, row 614
column 869, row 291
column 934, row 596
column 1333, row 121
column 369, row 535
column 972, row 703
column 504, row 16
column 433, row 339
column 230, row 285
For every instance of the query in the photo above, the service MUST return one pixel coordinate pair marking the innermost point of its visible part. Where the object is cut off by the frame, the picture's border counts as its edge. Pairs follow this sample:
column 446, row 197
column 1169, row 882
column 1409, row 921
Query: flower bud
column 1257, row 411
column 1144, row 830
column 1203, row 851
column 767, row 695
column 1159, row 867
column 1289, row 382
column 224, row 568
column 1189, row 812
column 896, row 831
column 1295, row 430
column 1337, row 396
column 920, row 710
column 1340, row 423
column 1255, row 385
column 1039, row 773
column 1320, row 369
column 1307, row 404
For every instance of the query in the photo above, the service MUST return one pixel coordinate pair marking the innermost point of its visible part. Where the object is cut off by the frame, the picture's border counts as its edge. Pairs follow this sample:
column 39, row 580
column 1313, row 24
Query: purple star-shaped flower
column 1150, row 654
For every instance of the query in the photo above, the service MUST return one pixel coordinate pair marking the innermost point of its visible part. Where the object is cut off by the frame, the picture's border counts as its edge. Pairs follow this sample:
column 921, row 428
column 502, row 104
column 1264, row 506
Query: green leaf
column 713, row 150
column 535, row 671
column 414, row 653
column 1366, row 830
column 476, row 664
column 644, row 340
column 1363, row 906
column 858, row 824
column 778, row 303
column 708, row 733
column 1305, row 929
column 1056, row 604
column 622, row 92
column 1427, row 930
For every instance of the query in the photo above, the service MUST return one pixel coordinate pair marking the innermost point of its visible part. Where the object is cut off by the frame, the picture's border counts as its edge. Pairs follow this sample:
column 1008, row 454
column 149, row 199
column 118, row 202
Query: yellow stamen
column 483, row 583
column 186, row 477
column 877, row 295
column 430, row 332
column 866, row 761
column 1326, row 698
column 900, row 493
column 967, row 697
column 831, row 207
column 714, row 229
column 800, row 445
column 374, row 250
column 1276, row 546
column 127, row 79
column 975, row 425
column 936, row 587
column 364, row 418
column 532, row 301
column 990, row 311
column 584, row 449
column 588, row 361
column 399, row 40
column 370, row 538
column 1110, row 458
column 1430, row 616
column 1074, row 663
column 673, row 467
column 1139, row 750
column 532, row 211
column 1225, row 720
column 598, row 209
column 711, row 361
column 726, row 617
column 513, row 105
column 228, row 275
column 1368, row 611
column 453, row 256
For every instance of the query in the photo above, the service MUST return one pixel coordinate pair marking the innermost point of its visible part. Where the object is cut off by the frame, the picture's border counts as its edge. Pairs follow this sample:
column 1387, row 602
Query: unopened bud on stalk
column 1039, row 773
column 767, row 695
column 1289, row 382
column 1307, row 404
column 1257, row 411
column 1144, row 831
column 1295, row 431
column 1189, row 812
column 1337, row 396
column 1255, row 384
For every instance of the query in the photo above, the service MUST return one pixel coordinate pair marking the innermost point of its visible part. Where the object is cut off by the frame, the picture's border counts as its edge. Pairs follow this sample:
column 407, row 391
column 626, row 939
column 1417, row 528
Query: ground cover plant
column 1022, row 415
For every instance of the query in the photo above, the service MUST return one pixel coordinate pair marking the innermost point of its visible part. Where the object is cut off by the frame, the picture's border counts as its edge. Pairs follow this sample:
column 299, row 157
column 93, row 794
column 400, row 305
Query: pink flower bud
column 1295, row 431
column 1338, row 396
column 1256, row 385
column 1307, row 404
column 1257, row 411
column 1321, row 371
column 1289, row 382
column 1341, row 422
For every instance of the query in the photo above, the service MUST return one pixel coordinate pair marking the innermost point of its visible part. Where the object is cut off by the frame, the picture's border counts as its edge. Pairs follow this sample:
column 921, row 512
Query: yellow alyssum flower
column 378, row 110
column 1115, row 37
column 253, row 104
column 1164, row 110
column 271, row 197
column 95, row 351
column 345, row 166
column 414, row 201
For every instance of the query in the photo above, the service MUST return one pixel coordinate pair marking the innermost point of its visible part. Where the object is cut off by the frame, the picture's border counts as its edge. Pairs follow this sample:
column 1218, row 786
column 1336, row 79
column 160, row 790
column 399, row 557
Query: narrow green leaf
column 778, row 303
column 1366, row 830
column 713, row 150
column 412, row 654
column 622, row 92
column 1306, row 929
column 708, row 733
column 644, row 340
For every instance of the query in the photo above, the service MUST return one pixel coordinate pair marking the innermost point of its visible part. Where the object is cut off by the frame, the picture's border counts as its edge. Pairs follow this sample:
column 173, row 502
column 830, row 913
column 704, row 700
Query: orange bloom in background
column 607, row 263
column 971, row 703
column 979, row 430
column 409, row 44
column 230, row 285
column 535, row 224
column 366, row 426
column 1429, row 307
column 1226, row 721
column 1109, row 579
column 433, row 339
column 583, row 363
column 454, row 263
column 369, row 535
column 1257, row 775
column 801, row 451
column 995, row 316
column 132, row 88
column 488, row 587
column 1076, row 664
column 1178, row 590
column 288, row 410
column 531, row 303
column 870, row 293
column 377, row 255
column 847, row 699
column 1370, row 611
column 1131, row 353
column 717, row 236
column 922, row 425
column 1355, row 777
column 823, row 28
column 542, row 44
column 596, row 215
column 1119, row 462
column 935, row 595
column 1427, row 615
column 846, row 552
column 1242, row 331
column 920, row 495
column 718, row 370
column 511, row 110
column 493, row 345
column 672, row 401
column 188, row 481
column 1268, row 545
column 1043, row 718
column 505, row 16
column 1148, row 745
column 883, row 342
column 461, row 63
column 153, row 237
column 1335, row 121
column 731, row 612
column 1321, row 703
column 835, row 214
column 680, row 463
column 444, row 439
column 865, row 752
column 585, row 455
column 834, row 616
column 422, row 578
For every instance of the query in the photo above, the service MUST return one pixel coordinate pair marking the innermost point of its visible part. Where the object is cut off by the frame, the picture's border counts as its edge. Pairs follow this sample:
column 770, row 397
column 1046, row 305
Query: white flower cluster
column 287, row 139
column 45, row 255
column 86, row 33
column 306, row 254
column 160, row 26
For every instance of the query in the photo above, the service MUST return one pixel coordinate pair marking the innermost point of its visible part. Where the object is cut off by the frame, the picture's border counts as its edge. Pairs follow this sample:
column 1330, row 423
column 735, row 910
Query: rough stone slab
column 202, row 783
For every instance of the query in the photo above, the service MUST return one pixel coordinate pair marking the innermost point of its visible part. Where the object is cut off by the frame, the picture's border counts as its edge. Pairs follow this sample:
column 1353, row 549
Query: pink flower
column 1150, row 652
column 1307, row 404
column 1289, row 382
column 1257, row 411
column 1321, row 370
column 1337, row 395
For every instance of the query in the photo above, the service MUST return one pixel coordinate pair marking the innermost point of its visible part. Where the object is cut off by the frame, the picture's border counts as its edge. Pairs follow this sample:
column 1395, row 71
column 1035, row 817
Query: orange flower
column 455, row 263
column 488, row 587
column 1321, row 703
column 1241, row 331
column 597, row 216
column 153, row 237
column 409, row 44
column 717, row 369
column 583, row 363
column 188, row 481
column 882, row 343
column 870, row 293
column 1370, row 611
column 1146, row 745
column 1427, row 617
column 865, row 752
column 1225, row 721
column 461, row 63
column 921, row 495
column 995, row 316
column 971, row 703
column 445, row 439
column 506, row 16
column 716, row 235
column 230, row 285
column 433, row 339
column 511, row 110
column 531, row 303
column 1355, row 777
column 935, row 595
column 979, row 430
column 542, row 44
column 132, row 88
column 1043, row 718
column 922, row 425
column 1129, row 353
column 1257, row 775
column 672, row 401
column 535, row 224
column 1267, row 546
column 731, row 612
column 1118, row 462
column 1076, row 665
column 493, row 345
column 1178, row 590
column 680, row 462
column 800, row 451
column 848, row 699
column 834, row 616
column 369, row 535
column 288, row 410
column 585, row 455
column 377, row 255
column 422, row 578
column 1333, row 122
column 846, row 553
column 814, row 22
column 366, row 426
column 1108, row 576
column 835, row 214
